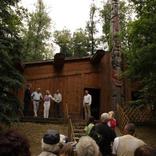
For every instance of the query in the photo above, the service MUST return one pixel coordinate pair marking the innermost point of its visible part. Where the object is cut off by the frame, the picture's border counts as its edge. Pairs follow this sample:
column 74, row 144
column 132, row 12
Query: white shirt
column 126, row 145
column 36, row 96
column 87, row 99
column 57, row 97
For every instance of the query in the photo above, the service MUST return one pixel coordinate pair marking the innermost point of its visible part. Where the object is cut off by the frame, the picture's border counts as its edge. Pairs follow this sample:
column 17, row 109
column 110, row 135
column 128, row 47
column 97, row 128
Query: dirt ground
column 147, row 133
column 35, row 131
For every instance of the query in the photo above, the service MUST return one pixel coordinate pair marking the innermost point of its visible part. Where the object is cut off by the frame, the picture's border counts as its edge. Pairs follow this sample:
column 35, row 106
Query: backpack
column 95, row 135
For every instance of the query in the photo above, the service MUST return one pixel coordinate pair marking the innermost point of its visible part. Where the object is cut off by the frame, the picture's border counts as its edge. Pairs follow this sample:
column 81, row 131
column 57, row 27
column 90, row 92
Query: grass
column 35, row 131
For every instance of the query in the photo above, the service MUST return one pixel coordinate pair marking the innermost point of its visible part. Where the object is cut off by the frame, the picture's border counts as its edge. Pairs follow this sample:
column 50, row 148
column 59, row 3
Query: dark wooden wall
column 76, row 75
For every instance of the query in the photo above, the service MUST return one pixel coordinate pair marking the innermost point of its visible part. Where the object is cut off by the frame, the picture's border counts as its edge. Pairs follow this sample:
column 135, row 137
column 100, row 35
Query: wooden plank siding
column 76, row 75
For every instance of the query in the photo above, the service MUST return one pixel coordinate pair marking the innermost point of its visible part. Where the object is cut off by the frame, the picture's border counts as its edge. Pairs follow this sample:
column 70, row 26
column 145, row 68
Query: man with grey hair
column 104, row 117
column 87, row 147
column 127, row 144
column 106, row 133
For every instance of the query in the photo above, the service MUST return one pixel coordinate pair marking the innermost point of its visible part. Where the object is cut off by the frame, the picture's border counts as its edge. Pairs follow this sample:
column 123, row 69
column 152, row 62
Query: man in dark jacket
column 27, row 100
column 107, row 135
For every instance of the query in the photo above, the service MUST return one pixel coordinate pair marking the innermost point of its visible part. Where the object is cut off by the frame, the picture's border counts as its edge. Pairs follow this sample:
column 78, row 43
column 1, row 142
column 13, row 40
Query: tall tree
column 105, row 14
column 10, row 53
column 80, row 43
column 141, row 55
column 76, row 44
column 37, row 34
column 64, row 39
column 91, row 27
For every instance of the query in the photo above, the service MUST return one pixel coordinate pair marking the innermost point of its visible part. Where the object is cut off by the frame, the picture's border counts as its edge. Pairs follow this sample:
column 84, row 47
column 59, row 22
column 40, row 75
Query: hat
column 51, row 137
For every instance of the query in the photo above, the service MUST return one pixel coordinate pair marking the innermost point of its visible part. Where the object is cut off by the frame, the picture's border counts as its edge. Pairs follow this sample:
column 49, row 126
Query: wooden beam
column 96, row 58
column 59, row 60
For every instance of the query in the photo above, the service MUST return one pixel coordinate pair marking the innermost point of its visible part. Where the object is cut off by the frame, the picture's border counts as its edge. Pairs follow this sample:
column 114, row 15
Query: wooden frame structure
column 75, row 75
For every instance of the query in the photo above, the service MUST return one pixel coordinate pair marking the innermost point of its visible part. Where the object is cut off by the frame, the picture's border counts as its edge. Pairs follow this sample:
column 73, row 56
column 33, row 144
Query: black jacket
column 108, row 136
column 27, row 96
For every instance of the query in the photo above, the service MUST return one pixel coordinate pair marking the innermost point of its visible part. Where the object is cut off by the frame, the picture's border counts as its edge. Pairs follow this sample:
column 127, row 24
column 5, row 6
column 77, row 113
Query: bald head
column 129, row 128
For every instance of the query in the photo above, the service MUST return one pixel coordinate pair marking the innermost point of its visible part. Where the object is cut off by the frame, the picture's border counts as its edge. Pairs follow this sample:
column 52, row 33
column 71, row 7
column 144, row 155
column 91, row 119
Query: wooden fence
column 127, row 114
column 122, row 117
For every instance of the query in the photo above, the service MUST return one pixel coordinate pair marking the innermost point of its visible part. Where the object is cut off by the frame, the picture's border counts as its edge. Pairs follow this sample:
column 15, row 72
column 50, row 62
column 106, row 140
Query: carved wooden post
column 116, row 56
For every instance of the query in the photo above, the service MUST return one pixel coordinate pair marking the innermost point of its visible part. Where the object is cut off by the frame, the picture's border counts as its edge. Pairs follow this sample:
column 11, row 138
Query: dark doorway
column 95, row 106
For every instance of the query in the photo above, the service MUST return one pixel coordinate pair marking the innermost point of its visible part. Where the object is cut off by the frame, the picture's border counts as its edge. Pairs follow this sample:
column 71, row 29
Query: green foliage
column 141, row 55
column 72, row 45
column 10, row 52
column 37, row 34
column 91, row 28
column 80, row 43
column 125, row 12
column 105, row 14
column 63, row 39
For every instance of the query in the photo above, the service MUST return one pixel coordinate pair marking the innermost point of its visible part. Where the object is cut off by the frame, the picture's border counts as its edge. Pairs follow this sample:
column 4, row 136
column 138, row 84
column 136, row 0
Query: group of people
column 100, row 139
column 109, row 144
column 112, row 123
column 36, row 97
column 53, row 143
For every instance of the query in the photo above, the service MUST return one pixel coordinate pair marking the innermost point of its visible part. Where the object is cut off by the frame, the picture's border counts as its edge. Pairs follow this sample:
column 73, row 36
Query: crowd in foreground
column 100, row 140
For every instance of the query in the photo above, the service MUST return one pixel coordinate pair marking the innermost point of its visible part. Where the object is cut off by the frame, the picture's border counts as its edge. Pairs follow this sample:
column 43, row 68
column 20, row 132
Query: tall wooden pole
column 116, row 56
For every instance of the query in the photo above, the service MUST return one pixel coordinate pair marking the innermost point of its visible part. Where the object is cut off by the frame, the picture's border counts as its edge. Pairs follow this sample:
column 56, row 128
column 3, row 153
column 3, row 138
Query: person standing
column 50, row 143
column 87, row 100
column 90, row 125
column 27, row 100
column 87, row 147
column 127, row 144
column 47, row 100
column 145, row 150
column 57, row 103
column 36, row 97
column 112, row 121
column 105, row 135
column 13, row 143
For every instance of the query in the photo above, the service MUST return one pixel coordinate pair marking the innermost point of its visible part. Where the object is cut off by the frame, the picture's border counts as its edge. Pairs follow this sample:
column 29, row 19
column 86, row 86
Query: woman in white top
column 47, row 100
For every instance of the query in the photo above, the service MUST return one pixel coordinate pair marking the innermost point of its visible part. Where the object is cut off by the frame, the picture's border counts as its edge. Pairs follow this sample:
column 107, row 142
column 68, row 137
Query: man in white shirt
column 57, row 103
column 126, row 144
column 36, row 98
column 87, row 100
